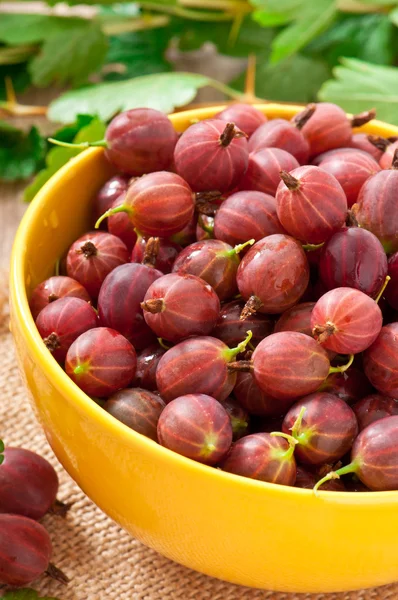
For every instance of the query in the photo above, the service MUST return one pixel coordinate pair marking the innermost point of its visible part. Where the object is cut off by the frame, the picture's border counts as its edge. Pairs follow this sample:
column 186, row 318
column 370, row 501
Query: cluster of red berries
column 236, row 308
column 29, row 487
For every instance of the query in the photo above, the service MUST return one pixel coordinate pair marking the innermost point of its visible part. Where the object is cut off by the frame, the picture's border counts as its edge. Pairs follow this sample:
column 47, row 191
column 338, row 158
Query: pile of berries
column 236, row 298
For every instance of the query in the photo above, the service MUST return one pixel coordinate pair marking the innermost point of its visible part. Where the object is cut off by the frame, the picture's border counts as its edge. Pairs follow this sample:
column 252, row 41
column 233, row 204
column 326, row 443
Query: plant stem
column 351, row 468
column 343, row 368
column 180, row 11
column 379, row 295
column 138, row 24
column 237, row 6
column 17, row 54
column 82, row 146
column 297, row 423
column 225, row 89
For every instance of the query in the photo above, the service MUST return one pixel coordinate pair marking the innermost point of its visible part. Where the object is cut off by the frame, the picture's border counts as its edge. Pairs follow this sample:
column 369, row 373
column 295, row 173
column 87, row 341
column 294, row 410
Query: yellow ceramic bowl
column 236, row 529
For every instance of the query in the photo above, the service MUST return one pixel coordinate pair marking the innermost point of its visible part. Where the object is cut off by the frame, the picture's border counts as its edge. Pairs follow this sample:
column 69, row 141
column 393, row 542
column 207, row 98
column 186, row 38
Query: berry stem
column 55, row 573
column 323, row 332
column 88, row 249
column 162, row 344
column 230, row 132
column 113, row 211
column 292, row 443
column 240, row 366
column 151, row 252
column 52, row 342
column 383, row 287
column 81, row 146
column 230, row 353
column 301, row 119
column 79, row 370
column 297, row 424
column 312, row 247
column 343, row 368
column 251, row 307
column 351, row 468
column 208, row 228
column 60, row 509
column 154, row 306
column 290, row 182
column 363, row 118
column 379, row 142
column 240, row 247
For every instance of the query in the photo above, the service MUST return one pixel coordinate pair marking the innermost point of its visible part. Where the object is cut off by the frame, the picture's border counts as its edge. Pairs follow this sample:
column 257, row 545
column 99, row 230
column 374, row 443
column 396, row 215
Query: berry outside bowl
column 240, row 530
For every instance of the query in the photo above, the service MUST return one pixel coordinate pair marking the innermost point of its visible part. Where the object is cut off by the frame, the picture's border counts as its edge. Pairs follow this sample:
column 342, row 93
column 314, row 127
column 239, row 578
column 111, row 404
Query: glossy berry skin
column 196, row 426
column 275, row 271
column 119, row 302
column 353, row 257
column 120, row 225
column 351, row 170
column 177, row 306
column 263, row 457
column 245, row 116
column 231, row 329
column 110, row 191
column 196, row 365
column 141, row 140
column 215, row 262
column 350, row 386
column 328, row 128
column 53, row 289
column 376, row 208
column 316, row 160
column 168, row 252
column 311, row 204
column 187, row 235
column 385, row 161
column 297, row 318
column 238, row 416
column 263, row 170
column 137, row 408
column 25, row 550
column 362, row 142
column 101, row 361
column 159, row 204
column 29, row 484
column 391, row 292
column 374, row 407
column 204, row 228
column 288, row 365
column 381, row 361
column 255, row 401
column 61, row 322
column 346, row 321
column 282, row 134
column 92, row 257
column 147, row 363
column 209, row 157
column 327, row 430
column 246, row 215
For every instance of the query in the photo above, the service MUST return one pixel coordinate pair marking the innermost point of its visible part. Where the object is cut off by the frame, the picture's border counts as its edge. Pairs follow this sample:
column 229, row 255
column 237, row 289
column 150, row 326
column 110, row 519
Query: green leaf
column 21, row 154
column 272, row 13
column 313, row 19
column 359, row 86
column 71, row 55
column 163, row 92
column 394, row 16
column 33, row 28
column 24, row 594
column 86, row 129
column 295, row 79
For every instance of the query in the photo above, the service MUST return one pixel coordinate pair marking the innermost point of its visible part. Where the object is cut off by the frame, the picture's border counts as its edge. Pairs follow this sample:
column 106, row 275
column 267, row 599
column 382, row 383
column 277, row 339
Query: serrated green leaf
column 33, row 28
column 163, row 92
column 359, row 86
column 70, row 56
column 21, row 154
column 57, row 157
column 24, row 594
column 313, row 19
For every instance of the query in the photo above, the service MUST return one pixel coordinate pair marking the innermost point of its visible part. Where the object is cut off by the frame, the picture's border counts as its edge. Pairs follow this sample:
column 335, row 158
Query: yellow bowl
column 240, row 530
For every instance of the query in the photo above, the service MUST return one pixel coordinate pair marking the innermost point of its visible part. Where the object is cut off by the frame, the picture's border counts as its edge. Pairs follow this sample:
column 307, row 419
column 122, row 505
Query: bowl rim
column 65, row 385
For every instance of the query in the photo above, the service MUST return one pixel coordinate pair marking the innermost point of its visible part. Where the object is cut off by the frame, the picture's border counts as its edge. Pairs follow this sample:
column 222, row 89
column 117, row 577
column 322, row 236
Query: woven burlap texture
column 102, row 561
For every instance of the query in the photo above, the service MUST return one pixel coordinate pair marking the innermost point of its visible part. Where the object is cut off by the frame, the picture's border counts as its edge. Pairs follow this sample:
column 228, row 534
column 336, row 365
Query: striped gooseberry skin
column 289, row 364
column 137, row 408
column 282, row 134
column 327, row 430
column 54, row 288
column 351, row 170
column 376, row 208
column 353, row 257
column 231, row 329
column 361, row 142
column 107, row 195
column 147, row 363
column 263, row 170
column 351, row 385
column 205, row 161
column 196, row 365
column 328, row 128
column 374, row 407
column 391, row 292
column 187, row 235
column 375, row 452
column 346, row 321
column 239, row 417
column 297, row 318
column 263, row 457
column 25, row 550
column 91, row 257
column 160, row 204
column 329, row 153
column 311, row 204
column 168, row 252
column 177, row 306
column 196, row 426
column 381, row 361
column 246, row 215
column 385, row 161
column 61, row 322
column 255, row 401
column 245, row 116
column 120, row 225
column 275, row 271
column 101, row 361
column 140, row 140
column 119, row 302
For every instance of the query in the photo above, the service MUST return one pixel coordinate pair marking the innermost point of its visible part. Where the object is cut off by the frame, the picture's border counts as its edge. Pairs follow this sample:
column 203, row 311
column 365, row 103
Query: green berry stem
column 351, row 468
column 113, row 211
column 292, row 443
column 232, row 352
column 162, row 344
column 239, row 247
column 297, row 424
column 343, row 368
column 383, row 287
column 81, row 146
column 312, row 247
